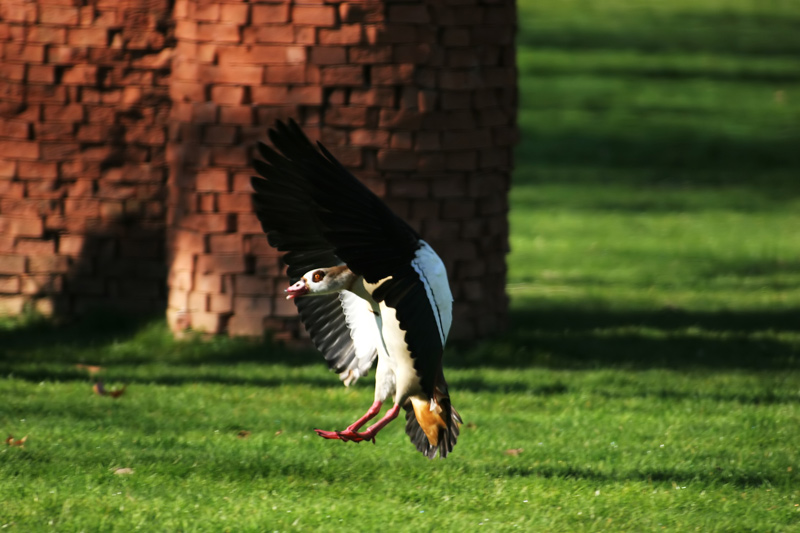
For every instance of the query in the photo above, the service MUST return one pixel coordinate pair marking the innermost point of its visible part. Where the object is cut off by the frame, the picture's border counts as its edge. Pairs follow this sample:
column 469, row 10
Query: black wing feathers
column 326, row 324
column 346, row 217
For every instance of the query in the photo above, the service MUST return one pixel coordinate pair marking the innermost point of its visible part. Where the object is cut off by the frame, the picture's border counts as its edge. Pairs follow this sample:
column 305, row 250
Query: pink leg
column 351, row 434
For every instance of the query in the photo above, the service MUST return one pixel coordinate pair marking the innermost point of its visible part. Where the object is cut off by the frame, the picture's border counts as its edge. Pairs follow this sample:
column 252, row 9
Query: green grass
column 649, row 375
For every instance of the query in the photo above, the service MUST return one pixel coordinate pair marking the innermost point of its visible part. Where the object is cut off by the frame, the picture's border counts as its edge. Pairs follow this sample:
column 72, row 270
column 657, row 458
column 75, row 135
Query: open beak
column 298, row 289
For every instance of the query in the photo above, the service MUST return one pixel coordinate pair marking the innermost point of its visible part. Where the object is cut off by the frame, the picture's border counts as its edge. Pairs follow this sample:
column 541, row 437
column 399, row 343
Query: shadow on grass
column 716, row 476
column 578, row 338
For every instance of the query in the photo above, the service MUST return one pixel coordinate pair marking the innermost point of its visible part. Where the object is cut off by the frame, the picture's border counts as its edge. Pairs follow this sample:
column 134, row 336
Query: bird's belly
column 398, row 358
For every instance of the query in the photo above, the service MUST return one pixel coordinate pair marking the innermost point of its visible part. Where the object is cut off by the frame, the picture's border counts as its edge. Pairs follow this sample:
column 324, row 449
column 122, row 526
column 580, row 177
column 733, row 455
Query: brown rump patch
column 429, row 421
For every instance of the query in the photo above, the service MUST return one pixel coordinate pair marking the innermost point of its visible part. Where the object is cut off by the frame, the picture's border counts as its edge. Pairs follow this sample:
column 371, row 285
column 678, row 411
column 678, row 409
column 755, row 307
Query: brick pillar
column 418, row 99
column 83, row 110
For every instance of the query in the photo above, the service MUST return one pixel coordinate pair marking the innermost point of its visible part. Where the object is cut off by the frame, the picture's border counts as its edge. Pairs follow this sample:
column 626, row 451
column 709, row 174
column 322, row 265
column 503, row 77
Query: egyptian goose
column 365, row 286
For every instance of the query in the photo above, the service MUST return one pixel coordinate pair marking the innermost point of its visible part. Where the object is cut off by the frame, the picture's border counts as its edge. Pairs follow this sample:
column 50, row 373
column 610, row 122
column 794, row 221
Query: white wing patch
column 365, row 334
column 433, row 274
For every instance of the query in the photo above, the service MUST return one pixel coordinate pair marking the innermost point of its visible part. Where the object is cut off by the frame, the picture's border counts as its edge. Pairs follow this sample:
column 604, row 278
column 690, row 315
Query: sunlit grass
column 649, row 378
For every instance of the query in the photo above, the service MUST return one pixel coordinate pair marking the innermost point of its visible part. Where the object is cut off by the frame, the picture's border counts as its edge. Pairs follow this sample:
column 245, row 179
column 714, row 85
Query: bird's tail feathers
column 433, row 424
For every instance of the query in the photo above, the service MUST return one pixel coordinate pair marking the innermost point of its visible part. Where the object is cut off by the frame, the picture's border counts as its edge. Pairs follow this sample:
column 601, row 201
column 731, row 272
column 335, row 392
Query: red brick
column 270, row 13
column 236, row 74
column 206, row 12
column 407, row 188
column 230, row 156
column 343, row 75
column 428, row 141
column 47, row 35
column 50, row 264
column 354, row 117
column 12, row 264
column 305, row 35
column 219, row 134
column 401, row 140
column 235, row 203
column 186, row 29
column 361, row 12
column 248, row 304
column 35, row 246
column 42, row 284
column 197, row 301
column 431, row 162
column 208, row 283
column 220, row 264
column 414, row 14
column 245, row 284
column 211, row 323
column 9, row 285
column 271, row 34
column 12, row 71
column 374, row 138
column 61, row 15
column 212, row 180
column 397, row 160
column 247, row 325
column 207, row 223
column 346, row 34
column 328, row 55
column 456, row 37
column 41, row 74
column 287, row 73
column 8, row 168
column 391, row 34
column 248, row 223
column 378, row 96
column 21, row 226
column 392, row 74
column 71, row 244
column 461, row 140
column 87, row 37
column 28, row 53
column 240, row 114
column 63, row 113
column 225, row 243
column 220, row 303
column 12, row 305
column 227, row 95
column 233, row 13
column 220, row 33
column 37, row 170
column 80, row 75
column 370, row 54
column 391, row 118
column 314, row 15
column 15, row 129
column 53, row 131
column 466, row 161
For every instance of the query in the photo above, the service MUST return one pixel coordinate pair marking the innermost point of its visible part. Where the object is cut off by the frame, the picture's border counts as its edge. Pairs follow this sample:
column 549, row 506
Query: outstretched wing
column 338, row 214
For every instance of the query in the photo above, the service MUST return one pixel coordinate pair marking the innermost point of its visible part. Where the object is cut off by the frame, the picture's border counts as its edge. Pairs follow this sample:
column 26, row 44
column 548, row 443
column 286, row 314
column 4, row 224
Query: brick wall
column 83, row 110
column 417, row 98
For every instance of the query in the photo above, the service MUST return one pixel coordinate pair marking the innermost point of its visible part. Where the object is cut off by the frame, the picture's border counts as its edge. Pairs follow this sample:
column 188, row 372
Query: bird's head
column 321, row 281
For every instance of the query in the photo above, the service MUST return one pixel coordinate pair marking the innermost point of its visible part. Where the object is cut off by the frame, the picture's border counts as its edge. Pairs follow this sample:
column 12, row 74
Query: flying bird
column 365, row 284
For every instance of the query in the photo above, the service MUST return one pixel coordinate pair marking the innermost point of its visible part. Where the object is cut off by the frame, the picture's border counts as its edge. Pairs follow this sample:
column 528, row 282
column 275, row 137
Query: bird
column 365, row 284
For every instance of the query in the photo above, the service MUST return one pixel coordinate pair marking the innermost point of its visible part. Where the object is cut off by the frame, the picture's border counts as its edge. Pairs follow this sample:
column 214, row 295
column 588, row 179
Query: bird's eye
column 318, row 275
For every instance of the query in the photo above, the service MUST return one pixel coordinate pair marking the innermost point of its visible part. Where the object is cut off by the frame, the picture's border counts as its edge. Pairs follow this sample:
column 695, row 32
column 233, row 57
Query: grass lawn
column 649, row 380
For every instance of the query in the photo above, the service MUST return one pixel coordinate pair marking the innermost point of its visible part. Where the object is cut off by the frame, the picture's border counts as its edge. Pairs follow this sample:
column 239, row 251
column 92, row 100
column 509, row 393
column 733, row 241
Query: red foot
column 344, row 436
column 350, row 434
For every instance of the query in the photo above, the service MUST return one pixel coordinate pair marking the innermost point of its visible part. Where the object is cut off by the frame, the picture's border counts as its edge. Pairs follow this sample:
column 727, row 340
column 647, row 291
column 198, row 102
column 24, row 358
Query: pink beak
column 298, row 289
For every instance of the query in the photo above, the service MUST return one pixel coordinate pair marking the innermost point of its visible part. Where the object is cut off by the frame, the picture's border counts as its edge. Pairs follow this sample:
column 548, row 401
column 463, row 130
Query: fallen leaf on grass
column 243, row 434
column 123, row 471
column 100, row 390
column 18, row 443
column 91, row 369
column 278, row 432
column 514, row 451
